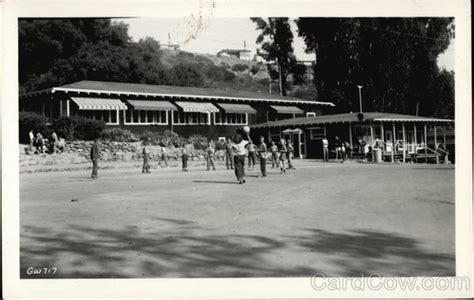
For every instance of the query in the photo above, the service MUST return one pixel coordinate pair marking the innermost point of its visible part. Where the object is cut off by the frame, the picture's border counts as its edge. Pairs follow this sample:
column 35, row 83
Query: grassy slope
column 244, row 80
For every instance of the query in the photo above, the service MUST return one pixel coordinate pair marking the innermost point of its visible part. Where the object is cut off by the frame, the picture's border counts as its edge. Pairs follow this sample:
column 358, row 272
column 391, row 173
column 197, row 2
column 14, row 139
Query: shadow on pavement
column 180, row 248
column 361, row 253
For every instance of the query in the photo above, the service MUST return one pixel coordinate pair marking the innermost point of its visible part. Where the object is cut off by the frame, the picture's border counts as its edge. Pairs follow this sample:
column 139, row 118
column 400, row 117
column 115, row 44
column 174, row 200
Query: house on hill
column 214, row 113
column 242, row 54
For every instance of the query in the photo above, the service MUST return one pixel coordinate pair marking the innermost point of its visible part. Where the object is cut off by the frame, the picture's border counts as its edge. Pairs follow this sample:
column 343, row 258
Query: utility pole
column 360, row 97
column 416, row 114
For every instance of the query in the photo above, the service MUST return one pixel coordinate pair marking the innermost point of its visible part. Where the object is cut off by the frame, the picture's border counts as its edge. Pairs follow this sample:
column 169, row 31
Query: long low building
column 419, row 136
column 215, row 113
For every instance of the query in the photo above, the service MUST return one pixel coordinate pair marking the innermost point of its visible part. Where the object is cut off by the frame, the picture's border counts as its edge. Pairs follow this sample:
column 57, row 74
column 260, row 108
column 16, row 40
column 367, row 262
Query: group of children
column 341, row 149
column 237, row 150
column 53, row 144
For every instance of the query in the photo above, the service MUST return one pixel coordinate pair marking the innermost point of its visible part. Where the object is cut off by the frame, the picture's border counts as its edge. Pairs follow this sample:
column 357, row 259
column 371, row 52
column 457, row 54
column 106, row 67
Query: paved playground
column 339, row 219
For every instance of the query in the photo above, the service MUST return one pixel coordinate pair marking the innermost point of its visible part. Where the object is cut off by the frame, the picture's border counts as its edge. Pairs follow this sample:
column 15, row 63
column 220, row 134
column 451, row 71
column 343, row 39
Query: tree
column 54, row 51
column 276, row 41
column 394, row 59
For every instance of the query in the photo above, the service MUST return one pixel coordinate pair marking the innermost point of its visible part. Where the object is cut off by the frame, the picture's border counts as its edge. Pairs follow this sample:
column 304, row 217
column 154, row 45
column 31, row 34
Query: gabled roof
column 136, row 89
column 349, row 118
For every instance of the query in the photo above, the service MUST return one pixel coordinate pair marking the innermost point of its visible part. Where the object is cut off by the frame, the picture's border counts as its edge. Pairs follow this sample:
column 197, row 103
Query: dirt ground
column 338, row 219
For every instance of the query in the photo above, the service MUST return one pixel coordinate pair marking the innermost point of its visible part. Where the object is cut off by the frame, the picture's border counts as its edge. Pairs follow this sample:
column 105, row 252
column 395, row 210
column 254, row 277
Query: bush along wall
column 69, row 128
column 32, row 121
column 79, row 128
column 114, row 143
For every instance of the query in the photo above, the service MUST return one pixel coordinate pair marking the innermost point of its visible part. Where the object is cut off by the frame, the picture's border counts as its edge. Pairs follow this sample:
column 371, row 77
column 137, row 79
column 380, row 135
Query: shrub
column 199, row 141
column 64, row 127
column 239, row 67
column 264, row 81
column 228, row 75
column 78, row 128
column 166, row 138
column 219, row 73
column 119, row 135
column 32, row 121
column 86, row 129
column 255, row 69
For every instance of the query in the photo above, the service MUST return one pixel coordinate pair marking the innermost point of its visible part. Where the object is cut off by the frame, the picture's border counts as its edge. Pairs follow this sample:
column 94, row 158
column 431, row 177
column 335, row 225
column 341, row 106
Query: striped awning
column 203, row 107
column 99, row 103
column 287, row 109
column 151, row 105
column 238, row 108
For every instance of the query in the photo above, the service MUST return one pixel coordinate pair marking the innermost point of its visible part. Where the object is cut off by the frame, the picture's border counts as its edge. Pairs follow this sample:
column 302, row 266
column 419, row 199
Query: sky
column 211, row 35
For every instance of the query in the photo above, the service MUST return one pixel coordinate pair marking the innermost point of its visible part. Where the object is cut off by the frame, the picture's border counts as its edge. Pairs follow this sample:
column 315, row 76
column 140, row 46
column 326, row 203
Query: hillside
column 248, row 75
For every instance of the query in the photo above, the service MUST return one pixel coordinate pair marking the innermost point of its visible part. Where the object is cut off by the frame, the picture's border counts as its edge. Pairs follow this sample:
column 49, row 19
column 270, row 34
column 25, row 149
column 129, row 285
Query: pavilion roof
column 349, row 118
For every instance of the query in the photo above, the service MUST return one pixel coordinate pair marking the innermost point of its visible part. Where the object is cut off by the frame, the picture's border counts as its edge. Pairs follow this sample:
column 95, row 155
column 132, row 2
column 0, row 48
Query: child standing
column 210, row 156
column 251, row 155
column 39, row 142
column 229, row 155
column 146, row 163
column 274, row 150
column 283, row 155
column 291, row 149
column 240, row 152
column 164, row 156
column 184, row 157
column 262, row 151
column 325, row 143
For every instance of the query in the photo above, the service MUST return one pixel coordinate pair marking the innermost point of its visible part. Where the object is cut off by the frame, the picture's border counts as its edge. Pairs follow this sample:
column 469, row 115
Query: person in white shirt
column 164, row 156
column 32, row 139
column 54, row 141
column 325, row 149
column 240, row 149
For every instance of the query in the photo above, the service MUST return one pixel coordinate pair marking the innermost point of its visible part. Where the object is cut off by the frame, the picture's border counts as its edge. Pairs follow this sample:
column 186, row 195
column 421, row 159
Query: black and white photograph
column 251, row 147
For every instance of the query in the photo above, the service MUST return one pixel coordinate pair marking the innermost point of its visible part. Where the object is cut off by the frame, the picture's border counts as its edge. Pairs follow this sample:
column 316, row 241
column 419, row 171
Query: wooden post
column 350, row 134
column 445, row 145
column 436, row 144
column 372, row 142
column 393, row 141
column 416, row 140
column 299, row 145
column 404, row 142
column 444, row 137
column 68, row 108
column 169, row 115
column 414, row 130
column 426, row 142
column 382, row 133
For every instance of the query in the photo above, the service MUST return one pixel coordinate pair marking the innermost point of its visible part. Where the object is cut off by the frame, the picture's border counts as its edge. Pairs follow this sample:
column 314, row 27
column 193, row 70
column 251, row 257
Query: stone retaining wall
column 127, row 151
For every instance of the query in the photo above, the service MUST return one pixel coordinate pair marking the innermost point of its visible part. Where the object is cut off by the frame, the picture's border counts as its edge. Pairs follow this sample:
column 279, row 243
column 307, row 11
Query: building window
column 108, row 116
column 190, row 118
column 317, row 133
column 274, row 116
column 310, row 114
column 145, row 117
column 230, row 119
